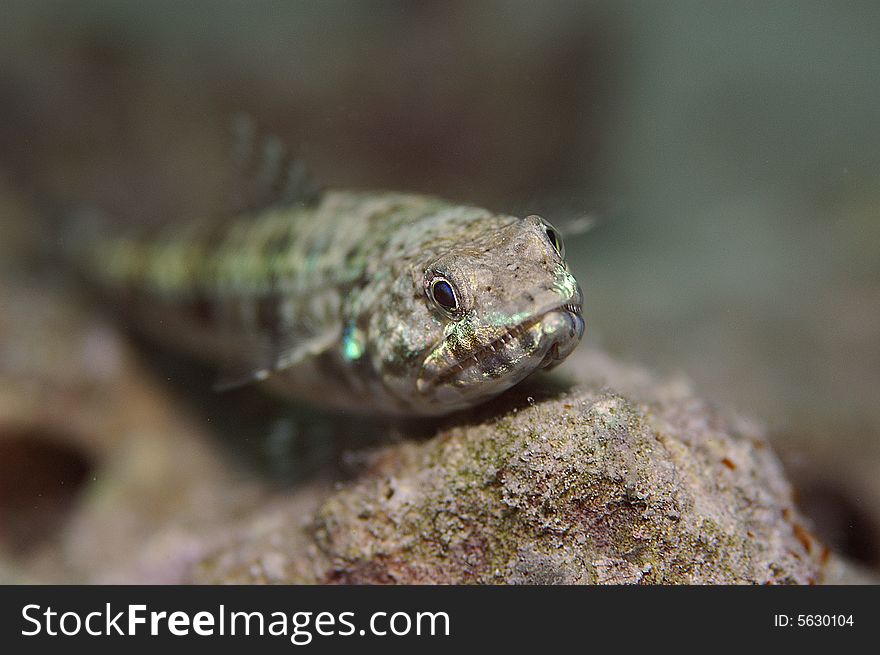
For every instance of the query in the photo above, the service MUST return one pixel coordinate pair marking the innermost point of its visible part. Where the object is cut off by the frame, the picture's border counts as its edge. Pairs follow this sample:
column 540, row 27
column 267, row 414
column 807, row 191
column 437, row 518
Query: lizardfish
column 383, row 302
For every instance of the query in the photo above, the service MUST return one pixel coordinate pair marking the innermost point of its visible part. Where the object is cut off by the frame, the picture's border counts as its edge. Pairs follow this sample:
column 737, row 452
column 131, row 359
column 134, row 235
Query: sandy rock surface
column 628, row 480
column 596, row 473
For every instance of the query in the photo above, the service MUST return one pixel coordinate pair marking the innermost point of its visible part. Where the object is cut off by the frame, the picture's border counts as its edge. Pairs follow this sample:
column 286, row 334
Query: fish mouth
column 541, row 341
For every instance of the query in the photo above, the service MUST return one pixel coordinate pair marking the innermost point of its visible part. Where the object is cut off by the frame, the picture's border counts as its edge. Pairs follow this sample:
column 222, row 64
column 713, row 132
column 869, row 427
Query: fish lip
column 427, row 380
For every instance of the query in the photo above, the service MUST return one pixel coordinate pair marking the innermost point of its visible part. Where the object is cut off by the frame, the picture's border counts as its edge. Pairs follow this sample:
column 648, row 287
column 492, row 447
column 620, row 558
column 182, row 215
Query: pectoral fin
column 264, row 357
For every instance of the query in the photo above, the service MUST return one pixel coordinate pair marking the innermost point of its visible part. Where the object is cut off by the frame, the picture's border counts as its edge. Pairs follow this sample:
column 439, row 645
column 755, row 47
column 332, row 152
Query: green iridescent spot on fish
column 371, row 301
column 352, row 344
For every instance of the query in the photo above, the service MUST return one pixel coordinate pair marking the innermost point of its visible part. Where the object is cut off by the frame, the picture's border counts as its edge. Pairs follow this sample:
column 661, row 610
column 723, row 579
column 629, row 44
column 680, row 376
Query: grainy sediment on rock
column 612, row 476
column 595, row 486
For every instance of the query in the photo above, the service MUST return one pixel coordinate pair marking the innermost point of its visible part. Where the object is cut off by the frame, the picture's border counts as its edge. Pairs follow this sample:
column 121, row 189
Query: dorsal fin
column 264, row 171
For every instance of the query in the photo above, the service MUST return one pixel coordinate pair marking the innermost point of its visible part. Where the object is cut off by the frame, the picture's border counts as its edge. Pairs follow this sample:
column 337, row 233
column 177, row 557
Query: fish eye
column 554, row 238
column 443, row 294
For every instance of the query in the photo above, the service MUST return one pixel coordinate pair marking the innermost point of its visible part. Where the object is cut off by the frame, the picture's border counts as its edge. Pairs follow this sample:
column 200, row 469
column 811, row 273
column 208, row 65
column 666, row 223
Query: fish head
column 504, row 304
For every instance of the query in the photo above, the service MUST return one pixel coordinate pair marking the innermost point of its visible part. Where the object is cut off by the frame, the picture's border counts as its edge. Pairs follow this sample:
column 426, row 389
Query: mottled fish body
column 375, row 302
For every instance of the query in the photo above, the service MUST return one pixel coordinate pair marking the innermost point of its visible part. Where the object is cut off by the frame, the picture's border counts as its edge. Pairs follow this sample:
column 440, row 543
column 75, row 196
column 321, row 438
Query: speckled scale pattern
column 328, row 300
